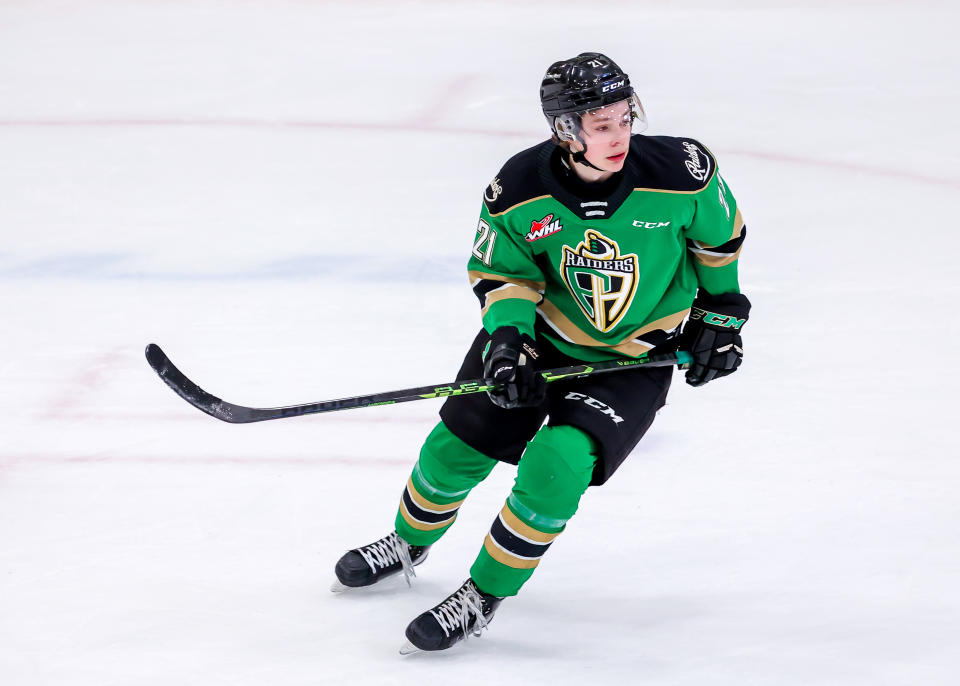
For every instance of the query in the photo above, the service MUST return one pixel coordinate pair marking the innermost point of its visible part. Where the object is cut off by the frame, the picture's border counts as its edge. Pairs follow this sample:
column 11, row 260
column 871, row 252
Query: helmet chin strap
column 567, row 127
column 581, row 158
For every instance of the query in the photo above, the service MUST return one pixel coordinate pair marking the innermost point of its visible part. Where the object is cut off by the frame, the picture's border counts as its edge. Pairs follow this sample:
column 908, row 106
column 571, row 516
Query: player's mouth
column 616, row 158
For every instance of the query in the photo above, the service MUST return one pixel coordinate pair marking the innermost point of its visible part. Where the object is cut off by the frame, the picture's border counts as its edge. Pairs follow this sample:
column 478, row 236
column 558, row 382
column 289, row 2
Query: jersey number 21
column 483, row 246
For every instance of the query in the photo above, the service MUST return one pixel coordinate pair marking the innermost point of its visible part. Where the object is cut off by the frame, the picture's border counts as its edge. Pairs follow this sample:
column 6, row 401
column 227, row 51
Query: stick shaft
column 239, row 414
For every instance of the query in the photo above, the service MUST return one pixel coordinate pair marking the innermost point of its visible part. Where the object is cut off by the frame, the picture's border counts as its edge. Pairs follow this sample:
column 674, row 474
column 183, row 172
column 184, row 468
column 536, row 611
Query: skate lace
column 454, row 612
column 387, row 551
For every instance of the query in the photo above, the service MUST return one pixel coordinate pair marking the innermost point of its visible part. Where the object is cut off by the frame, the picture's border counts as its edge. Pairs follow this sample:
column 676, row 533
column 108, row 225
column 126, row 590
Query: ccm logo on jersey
column 640, row 224
column 596, row 404
column 613, row 86
column 545, row 227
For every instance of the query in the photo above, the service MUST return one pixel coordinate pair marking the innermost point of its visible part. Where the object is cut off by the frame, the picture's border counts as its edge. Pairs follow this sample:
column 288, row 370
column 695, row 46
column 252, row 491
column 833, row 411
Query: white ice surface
column 283, row 195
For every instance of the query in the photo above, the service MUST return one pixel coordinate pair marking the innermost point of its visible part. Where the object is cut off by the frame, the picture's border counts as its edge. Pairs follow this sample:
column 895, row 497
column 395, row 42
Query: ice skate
column 379, row 560
column 465, row 613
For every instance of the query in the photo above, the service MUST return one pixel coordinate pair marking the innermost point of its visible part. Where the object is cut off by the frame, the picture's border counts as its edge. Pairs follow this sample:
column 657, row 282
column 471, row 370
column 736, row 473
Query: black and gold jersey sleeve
column 503, row 272
column 717, row 233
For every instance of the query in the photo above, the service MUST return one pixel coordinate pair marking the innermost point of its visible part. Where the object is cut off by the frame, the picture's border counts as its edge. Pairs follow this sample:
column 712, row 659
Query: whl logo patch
column 543, row 228
column 601, row 280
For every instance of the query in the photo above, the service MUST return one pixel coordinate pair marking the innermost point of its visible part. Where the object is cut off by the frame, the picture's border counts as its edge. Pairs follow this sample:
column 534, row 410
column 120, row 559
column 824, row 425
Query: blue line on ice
column 114, row 266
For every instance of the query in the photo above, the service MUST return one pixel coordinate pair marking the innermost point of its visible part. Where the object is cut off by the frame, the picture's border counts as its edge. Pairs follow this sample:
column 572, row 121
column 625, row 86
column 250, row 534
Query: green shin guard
column 553, row 474
column 443, row 476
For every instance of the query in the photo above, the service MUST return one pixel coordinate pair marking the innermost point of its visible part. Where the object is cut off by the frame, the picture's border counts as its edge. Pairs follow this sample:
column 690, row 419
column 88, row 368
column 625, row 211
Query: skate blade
column 408, row 648
column 338, row 587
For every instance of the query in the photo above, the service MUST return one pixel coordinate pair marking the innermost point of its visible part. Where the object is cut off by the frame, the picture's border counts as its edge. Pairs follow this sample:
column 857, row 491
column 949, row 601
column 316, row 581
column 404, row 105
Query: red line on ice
column 262, row 124
column 80, row 386
column 427, row 125
column 847, row 166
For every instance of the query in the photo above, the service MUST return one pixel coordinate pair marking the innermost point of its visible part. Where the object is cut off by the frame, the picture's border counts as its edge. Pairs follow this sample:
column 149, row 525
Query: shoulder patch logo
column 601, row 280
column 698, row 163
column 543, row 228
column 493, row 191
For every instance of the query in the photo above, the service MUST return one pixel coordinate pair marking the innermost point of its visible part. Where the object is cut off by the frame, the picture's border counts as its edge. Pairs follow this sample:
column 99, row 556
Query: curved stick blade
column 187, row 389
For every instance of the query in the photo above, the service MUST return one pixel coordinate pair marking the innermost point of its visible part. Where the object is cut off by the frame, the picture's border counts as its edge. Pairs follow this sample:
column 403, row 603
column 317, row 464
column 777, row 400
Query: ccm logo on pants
column 594, row 403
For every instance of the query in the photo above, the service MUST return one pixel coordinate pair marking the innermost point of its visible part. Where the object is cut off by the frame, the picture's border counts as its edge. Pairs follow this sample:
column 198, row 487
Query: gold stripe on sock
column 426, row 504
column 523, row 529
column 423, row 526
column 503, row 557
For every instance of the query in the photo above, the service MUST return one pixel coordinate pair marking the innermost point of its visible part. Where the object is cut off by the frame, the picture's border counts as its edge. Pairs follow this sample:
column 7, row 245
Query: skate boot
column 465, row 613
column 369, row 564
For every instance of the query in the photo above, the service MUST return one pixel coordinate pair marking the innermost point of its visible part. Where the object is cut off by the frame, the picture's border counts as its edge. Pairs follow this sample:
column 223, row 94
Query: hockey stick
column 238, row 414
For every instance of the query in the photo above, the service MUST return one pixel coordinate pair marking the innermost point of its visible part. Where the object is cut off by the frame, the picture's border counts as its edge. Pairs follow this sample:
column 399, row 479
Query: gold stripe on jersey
column 627, row 345
column 520, row 204
column 507, row 558
column 664, row 190
column 508, row 291
column 709, row 256
column 524, row 530
column 429, row 505
column 476, row 276
column 704, row 256
column 737, row 225
column 668, row 323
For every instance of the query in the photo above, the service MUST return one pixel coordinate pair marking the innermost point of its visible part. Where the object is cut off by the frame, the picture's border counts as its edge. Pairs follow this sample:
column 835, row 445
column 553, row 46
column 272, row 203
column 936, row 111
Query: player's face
column 606, row 132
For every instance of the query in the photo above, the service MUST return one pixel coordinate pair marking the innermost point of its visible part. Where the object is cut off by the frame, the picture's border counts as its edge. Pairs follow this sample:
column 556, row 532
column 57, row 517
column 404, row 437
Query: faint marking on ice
column 201, row 460
column 75, row 266
column 118, row 267
column 89, row 379
column 275, row 124
column 847, row 166
column 337, row 417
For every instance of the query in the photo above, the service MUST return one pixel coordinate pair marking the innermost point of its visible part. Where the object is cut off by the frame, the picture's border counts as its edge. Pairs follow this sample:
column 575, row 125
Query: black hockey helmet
column 589, row 81
column 584, row 82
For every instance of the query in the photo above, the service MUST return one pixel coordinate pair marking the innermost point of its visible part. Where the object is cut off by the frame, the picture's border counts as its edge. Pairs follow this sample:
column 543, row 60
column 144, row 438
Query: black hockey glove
column 712, row 335
column 508, row 359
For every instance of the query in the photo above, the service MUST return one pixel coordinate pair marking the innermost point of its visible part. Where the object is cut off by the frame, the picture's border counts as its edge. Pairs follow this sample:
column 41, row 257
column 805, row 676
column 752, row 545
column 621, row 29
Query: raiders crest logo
column 601, row 280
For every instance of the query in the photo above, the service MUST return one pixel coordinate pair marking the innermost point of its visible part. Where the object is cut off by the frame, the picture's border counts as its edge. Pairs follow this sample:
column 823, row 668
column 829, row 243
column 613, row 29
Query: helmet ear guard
column 567, row 126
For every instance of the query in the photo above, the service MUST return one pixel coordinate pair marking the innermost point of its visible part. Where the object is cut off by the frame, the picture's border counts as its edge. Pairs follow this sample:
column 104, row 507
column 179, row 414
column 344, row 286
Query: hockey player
column 594, row 244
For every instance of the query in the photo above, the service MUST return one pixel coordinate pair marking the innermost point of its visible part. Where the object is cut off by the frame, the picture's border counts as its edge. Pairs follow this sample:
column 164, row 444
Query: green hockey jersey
column 609, row 268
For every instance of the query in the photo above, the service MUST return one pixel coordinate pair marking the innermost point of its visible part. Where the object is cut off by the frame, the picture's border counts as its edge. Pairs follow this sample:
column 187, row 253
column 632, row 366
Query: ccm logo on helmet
column 613, row 86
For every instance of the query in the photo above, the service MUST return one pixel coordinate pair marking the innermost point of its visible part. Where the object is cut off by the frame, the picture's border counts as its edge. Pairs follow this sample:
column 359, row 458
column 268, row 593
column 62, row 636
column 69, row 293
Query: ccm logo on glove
column 714, row 319
column 712, row 335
